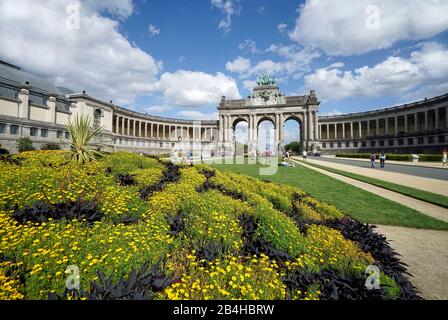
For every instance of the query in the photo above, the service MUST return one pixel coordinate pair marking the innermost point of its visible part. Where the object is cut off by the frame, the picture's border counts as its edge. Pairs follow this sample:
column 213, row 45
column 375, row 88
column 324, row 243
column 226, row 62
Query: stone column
column 250, row 128
column 436, row 119
column 396, row 125
column 359, row 129
column 446, row 117
column 24, row 107
column 368, row 128
column 122, row 126
column 406, row 129
column 277, row 130
column 377, row 127
column 386, row 126
column 316, row 126
column 351, row 131
column 305, row 127
column 52, row 109
column 416, row 122
column 117, row 124
column 426, row 120
column 224, row 134
column 281, row 122
column 343, row 130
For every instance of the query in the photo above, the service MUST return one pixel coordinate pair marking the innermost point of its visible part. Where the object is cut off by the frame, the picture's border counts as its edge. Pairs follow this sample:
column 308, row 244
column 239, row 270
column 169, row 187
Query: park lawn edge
column 426, row 196
column 424, row 221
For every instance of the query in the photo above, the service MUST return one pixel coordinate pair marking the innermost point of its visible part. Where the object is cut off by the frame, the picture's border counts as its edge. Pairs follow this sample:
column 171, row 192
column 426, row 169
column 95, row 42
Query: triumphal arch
column 267, row 102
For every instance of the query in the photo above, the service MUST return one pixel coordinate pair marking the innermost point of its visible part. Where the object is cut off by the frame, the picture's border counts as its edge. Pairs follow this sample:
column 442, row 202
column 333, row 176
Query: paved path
column 421, row 164
column 426, row 254
column 421, row 206
column 438, row 173
column 417, row 182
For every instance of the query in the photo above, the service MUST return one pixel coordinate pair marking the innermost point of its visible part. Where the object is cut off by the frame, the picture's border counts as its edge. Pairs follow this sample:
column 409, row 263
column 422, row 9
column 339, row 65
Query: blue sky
column 177, row 58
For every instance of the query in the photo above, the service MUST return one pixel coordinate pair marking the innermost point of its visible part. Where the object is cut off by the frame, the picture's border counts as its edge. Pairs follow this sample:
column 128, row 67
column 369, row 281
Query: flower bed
column 139, row 228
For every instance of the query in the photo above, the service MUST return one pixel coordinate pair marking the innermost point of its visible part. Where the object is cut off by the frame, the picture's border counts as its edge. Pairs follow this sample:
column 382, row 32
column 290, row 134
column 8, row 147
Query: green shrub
column 4, row 151
column 51, row 146
column 398, row 157
column 430, row 157
column 389, row 156
column 25, row 144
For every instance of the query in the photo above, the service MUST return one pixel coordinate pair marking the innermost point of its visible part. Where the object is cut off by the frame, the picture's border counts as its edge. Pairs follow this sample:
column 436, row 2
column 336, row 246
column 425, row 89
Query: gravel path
column 426, row 254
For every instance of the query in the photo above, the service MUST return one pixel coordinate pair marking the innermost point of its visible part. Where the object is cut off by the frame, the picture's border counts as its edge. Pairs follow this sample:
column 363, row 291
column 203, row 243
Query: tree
column 25, row 144
column 294, row 147
column 83, row 134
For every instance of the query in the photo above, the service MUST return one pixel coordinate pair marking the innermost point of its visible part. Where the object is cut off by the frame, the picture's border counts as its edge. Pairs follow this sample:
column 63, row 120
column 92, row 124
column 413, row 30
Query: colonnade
column 389, row 125
column 138, row 128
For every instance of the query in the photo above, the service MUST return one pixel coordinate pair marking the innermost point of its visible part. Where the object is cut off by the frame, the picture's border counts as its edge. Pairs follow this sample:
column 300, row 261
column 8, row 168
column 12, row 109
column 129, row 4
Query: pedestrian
column 372, row 160
column 304, row 154
column 444, row 157
column 382, row 159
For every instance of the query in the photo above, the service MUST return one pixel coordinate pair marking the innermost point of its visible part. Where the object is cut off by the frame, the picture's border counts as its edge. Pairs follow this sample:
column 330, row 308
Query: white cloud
column 282, row 27
column 157, row 109
column 250, row 46
column 239, row 65
column 197, row 115
column 293, row 62
column 196, row 89
column 358, row 26
column 249, row 84
column 153, row 30
column 228, row 9
column 425, row 72
column 95, row 57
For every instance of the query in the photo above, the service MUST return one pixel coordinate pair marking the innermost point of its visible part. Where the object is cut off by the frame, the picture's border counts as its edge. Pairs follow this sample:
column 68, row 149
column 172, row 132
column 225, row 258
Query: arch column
column 436, row 119
column 305, row 128
column 351, row 130
column 396, row 125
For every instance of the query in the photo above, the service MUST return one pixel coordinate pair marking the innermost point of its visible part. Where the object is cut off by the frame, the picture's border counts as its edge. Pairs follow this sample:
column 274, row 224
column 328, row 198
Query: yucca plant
column 83, row 134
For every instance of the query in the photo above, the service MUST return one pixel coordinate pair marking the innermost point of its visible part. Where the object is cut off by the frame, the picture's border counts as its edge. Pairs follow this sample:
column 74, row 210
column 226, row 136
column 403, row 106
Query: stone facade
column 41, row 111
column 419, row 127
column 268, row 103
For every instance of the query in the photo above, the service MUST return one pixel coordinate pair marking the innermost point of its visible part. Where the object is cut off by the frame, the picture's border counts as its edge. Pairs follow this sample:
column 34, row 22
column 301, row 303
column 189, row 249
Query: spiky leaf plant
column 83, row 134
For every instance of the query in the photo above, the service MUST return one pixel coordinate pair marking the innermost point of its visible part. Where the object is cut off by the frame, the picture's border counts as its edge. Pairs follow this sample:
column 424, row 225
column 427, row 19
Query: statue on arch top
column 266, row 80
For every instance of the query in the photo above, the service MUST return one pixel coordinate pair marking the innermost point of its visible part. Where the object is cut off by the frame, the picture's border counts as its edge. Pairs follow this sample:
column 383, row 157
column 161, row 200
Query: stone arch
column 287, row 131
column 238, row 120
column 270, row 118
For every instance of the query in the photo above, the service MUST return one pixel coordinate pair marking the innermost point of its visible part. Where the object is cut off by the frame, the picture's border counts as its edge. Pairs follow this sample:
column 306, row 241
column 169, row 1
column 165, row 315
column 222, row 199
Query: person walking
column 372, row 160
column 304, row 154
column 444, row 157
column 382, row 159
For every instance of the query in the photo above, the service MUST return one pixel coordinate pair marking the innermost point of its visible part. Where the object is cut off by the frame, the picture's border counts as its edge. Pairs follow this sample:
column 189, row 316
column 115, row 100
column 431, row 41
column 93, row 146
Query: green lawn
column 359, row 204
column 430, row 197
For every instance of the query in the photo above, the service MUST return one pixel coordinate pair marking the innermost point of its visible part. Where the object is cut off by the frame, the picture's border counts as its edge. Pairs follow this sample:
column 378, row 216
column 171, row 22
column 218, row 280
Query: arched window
column 97, row 118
